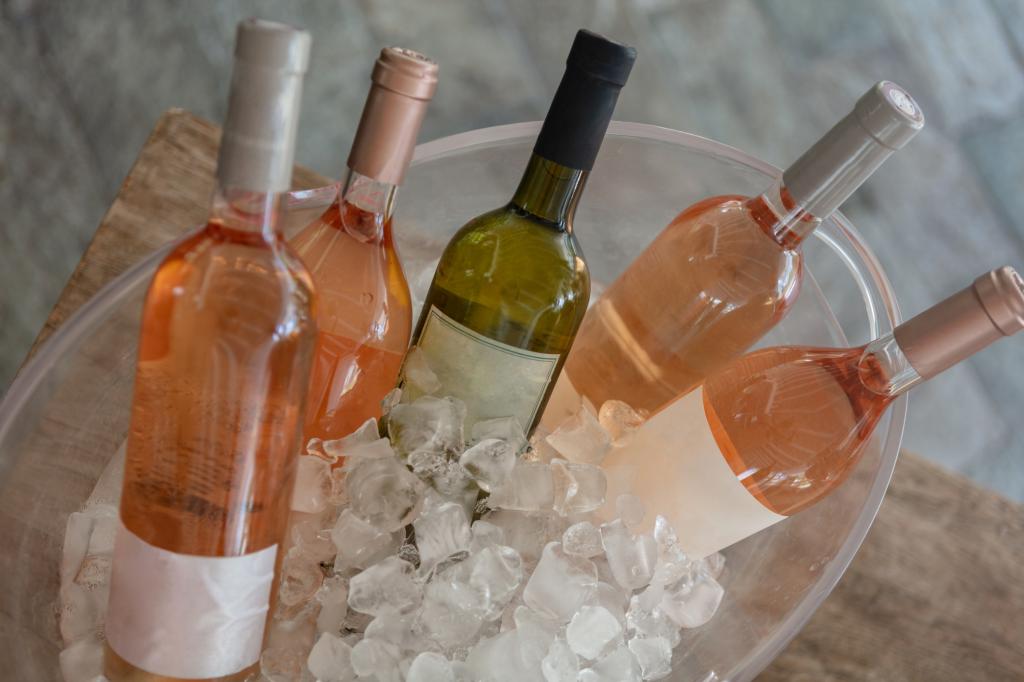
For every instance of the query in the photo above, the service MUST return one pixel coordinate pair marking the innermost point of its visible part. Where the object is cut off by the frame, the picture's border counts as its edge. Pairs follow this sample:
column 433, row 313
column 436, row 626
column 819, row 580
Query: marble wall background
column 81, row 84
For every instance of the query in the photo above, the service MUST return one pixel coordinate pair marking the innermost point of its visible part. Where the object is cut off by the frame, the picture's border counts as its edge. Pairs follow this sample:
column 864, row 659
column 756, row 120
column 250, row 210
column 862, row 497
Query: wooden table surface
column 935, row 593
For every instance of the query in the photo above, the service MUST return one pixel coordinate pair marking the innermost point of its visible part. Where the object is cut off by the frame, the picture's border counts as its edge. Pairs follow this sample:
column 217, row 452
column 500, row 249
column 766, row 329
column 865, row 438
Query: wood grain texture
column 936, row 592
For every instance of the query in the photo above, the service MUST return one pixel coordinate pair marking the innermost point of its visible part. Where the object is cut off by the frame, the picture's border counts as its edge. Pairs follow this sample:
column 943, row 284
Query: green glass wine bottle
column 512, row 285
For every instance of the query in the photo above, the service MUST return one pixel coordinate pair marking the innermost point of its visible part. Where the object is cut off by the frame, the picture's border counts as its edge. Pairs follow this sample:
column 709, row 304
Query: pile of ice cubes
column 435, row 555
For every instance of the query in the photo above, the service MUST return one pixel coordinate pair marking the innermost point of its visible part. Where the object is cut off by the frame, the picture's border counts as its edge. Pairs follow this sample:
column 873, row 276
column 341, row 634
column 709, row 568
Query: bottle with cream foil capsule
column 724, row 272
column 224, row 354
column 364, row 309
column 778, row 429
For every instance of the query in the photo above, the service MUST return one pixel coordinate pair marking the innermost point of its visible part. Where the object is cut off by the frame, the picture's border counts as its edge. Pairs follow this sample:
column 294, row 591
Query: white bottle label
column 680, row 473
column 494, row 379
column 180, row 615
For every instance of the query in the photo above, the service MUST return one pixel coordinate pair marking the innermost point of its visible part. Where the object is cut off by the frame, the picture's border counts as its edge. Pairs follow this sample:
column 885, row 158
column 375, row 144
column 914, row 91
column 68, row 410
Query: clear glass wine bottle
column 364, row 310
column 778, row 429
column 728, row 269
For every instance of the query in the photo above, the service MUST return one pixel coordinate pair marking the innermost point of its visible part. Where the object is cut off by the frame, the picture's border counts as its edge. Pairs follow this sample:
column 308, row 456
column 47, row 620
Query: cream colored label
column 494, row 379
column 179, row 615
column 681, row 474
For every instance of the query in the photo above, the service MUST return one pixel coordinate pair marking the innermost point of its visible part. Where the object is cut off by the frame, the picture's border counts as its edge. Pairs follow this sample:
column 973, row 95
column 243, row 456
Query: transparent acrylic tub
column 67, row 412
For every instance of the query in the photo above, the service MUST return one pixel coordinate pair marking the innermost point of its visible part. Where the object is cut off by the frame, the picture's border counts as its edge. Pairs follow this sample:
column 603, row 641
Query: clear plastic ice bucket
column 67, row 412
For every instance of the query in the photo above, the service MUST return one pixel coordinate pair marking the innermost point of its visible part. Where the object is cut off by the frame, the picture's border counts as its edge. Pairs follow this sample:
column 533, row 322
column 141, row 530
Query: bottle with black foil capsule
column 512, row 285
column 725, row 271
column 224, row 354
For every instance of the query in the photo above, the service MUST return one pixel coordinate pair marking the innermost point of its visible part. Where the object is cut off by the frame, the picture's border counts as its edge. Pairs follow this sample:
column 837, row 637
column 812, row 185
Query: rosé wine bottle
column 364, row 307
column 724, row 272
column 224, row 354
column 778, row 429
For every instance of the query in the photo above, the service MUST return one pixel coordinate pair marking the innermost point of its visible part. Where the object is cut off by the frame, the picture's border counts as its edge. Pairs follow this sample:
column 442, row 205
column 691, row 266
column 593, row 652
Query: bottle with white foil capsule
column 224, row 354
column 778, row 429
column 725, row 271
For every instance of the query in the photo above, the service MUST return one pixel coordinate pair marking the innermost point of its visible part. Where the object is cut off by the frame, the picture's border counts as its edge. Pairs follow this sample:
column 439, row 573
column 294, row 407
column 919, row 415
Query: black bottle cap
column 574, row 128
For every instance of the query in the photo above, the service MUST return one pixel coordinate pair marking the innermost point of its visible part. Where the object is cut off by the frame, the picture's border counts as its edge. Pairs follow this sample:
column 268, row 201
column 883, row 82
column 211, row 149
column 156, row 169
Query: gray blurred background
column 82, row 83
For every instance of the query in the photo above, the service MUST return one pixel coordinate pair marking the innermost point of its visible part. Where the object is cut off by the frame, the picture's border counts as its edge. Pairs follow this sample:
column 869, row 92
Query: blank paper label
column 187, row 616
column 493, row 378
column 681, row 474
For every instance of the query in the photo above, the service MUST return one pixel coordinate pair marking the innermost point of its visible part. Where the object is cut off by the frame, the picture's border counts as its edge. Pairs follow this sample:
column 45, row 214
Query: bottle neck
column 784, row 219
column 885, row 369
column 550, row 192
column 373, row 201
column 248, row 212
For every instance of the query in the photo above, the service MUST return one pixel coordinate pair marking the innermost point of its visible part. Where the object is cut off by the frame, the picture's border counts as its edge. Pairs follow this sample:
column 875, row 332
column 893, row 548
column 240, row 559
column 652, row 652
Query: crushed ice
column 427, row 556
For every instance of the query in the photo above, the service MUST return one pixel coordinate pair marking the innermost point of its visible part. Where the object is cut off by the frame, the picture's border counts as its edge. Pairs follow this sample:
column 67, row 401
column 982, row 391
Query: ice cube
column 529, row 487
column 611, row 598
column 593, row 632
column 377, row 660
column 339, row 493
column 654, row 654
column 496, row 573
column 312, row 485
column 384, row 493
column 397, row 629
column 452, row 612
column 489, row 462
column 333, row 599
column 368, row 433
column 714, row 564
column 360, row 544
column 581, row 439
column 82, row 661
column 535, row 635
column 485, row 534
column 644, row 622
column 497, row 659
column 313, row 541
column 560, row 584
column 300, row 579
column 632, row 559
column 560, row 664
column 417, row 374
column 582, row 539
column 430, row 667
column 524, row 532
column 452, row 483
column 371, row 449
column 442, row 529
column 578, row 488
column 619, row 420
column 427, row 424
column 389, row 401
column 618, row 666
column 692, row 601
column 386, row 586
column 631, row 510
column 508, row 429
column 330, row 659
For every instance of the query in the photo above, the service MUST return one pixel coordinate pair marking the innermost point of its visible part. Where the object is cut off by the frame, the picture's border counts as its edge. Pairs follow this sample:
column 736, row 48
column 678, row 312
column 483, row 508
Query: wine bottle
column 778, row 429
column 224, row 354
column 512, row 285
column 364, row 310
column 727, row 269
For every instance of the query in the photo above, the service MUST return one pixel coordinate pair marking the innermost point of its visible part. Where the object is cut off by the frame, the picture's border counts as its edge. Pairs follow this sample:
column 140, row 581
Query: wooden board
column 936, row 592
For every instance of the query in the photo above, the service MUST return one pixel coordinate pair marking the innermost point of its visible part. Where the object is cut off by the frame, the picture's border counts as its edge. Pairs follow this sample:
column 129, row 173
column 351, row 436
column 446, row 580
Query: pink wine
column 224, row 354
column 727, row 269
column 365, row 309
column 778, row 429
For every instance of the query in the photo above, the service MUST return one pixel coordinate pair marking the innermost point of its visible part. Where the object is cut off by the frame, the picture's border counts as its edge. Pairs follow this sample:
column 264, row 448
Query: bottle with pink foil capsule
column 724, row 272
column 364, row 305
column 778, row 429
